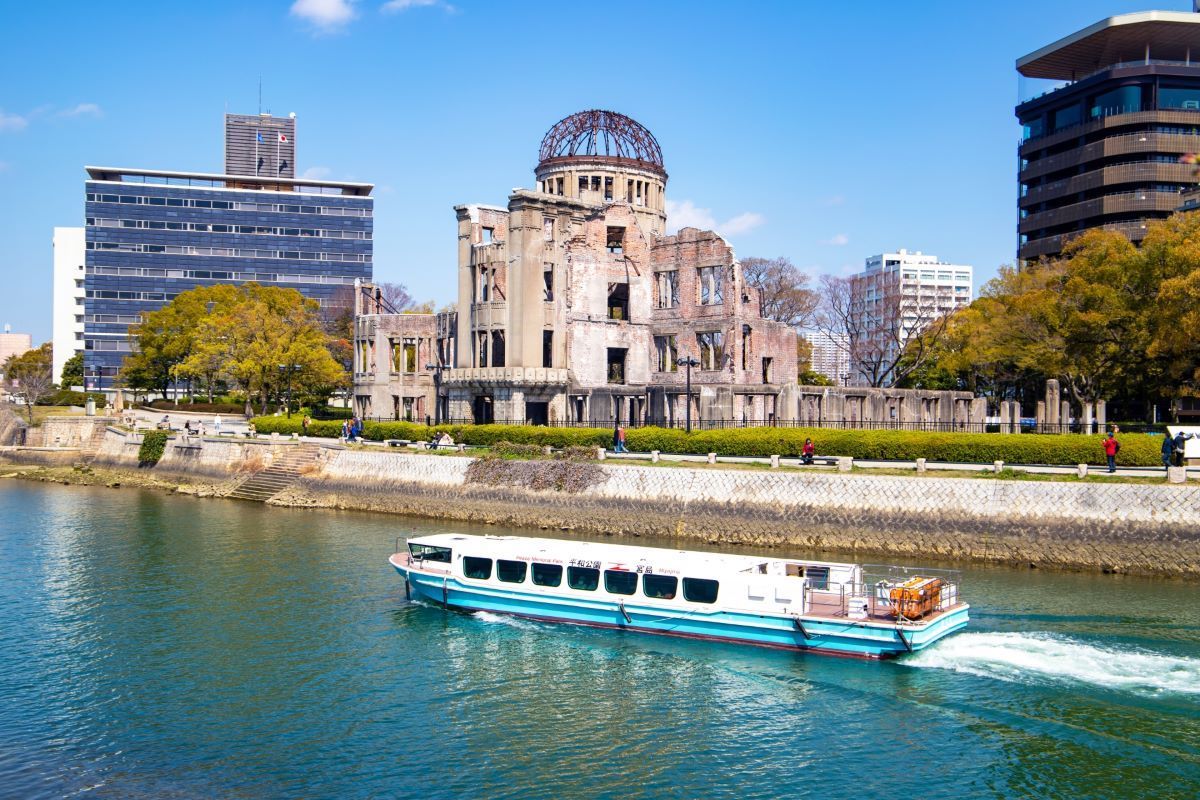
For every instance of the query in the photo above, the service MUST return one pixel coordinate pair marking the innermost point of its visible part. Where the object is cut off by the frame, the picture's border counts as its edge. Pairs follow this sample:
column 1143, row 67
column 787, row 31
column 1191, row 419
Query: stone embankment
column 1115, row 527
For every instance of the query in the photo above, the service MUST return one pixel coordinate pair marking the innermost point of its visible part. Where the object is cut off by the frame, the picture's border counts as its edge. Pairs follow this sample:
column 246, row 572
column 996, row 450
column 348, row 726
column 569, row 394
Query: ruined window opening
column 396, row 407
column 408, row 409
column 547, row 349
column 712, row 285
column 488, row 233
column 668, row 289
column 666, row 354
column 618, row 301
column 712, row 349
column 484, row 409
column 616, row 364
column 583, row 184
column 548, row 284
column 629, row 192
column 608, row 190
column 595, row 183
column 410, row 355
column 615, row 241
column 746, row 346
column 482, row 350
column 766, row 370
column 497, row 348
column 559, row 184
column 548, row 228
column 397, row 353
column 482, row 293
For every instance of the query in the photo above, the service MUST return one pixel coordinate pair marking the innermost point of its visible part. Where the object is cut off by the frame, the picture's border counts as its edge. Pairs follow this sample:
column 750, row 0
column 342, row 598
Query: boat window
column 818, row 577
column 700, row 590
column 510, row 571
column 478, row 568
column 429, row 552
column 618, row 582
column 583, row 578
column 660, row 586
column 547, row 574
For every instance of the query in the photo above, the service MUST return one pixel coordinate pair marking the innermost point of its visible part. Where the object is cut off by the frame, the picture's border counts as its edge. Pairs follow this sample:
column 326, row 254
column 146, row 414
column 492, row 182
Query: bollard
column 920, row 466
column 462, row 448
column 1176, row 474
column 295, row 437
column 653, row 456
column 845, row 463
column 547, row 450
column 712, row 458
column 774, row 462
column 997, row 466
column 1081, row 469
column 599, row 453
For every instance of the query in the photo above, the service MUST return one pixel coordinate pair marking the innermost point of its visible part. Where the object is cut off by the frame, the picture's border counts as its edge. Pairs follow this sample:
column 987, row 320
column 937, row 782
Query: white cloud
column 686, row 215
column 316, row 173
column 12, row 122
column 83, row 109
column 326, row 16
column 396, row 6
column 837, row 240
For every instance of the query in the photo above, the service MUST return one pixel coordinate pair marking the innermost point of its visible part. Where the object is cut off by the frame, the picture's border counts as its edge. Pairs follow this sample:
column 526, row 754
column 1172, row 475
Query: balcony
column 1036, row 248
column 1174, row 116
column 1142, row 172
column 1174, row 143
column 1111, row 204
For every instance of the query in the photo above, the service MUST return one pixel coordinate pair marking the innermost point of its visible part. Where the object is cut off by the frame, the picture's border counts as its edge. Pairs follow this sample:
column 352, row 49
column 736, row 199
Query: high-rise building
column 830, row 355
column 895, row 298
column 260, row 145
column 1101, row 149
column 68, row 306
column 151, row 234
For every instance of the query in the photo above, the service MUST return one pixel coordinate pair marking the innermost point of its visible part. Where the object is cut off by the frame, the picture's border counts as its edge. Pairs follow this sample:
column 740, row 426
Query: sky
column 823, row 132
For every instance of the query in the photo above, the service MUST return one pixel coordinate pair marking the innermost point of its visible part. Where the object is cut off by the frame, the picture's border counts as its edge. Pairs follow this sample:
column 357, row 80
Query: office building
column 830, row 355
column 895, row 298
column 1101, row 149
column 260, row 145
column 13, row 344
column 68, row 296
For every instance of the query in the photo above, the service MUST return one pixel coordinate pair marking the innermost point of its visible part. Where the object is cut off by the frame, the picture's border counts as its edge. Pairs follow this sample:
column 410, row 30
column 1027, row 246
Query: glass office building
column 151, row 234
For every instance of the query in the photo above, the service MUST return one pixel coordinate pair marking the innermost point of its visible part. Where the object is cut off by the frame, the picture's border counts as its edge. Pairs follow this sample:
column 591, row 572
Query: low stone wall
column 1114, row 527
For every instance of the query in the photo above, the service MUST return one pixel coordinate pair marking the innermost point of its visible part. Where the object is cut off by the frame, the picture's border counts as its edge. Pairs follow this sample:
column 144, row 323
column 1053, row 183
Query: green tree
column 72, row 372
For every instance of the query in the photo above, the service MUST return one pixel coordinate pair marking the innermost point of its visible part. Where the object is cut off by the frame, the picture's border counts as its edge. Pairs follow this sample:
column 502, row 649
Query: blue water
column 168, row 647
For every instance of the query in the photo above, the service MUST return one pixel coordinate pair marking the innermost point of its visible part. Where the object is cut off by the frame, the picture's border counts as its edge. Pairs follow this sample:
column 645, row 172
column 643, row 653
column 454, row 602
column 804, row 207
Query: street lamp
column 288, row 370
column 688, row 363
column 437, row 370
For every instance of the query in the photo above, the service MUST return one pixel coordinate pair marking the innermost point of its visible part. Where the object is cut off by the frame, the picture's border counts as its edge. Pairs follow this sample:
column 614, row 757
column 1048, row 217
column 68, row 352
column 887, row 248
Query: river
column 156, row 646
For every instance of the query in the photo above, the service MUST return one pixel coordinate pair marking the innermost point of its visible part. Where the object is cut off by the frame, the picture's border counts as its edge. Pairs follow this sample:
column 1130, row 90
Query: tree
column 31, row 375
column 72, row 372
column 396, row 295
column 165, row 338
column 783, row 293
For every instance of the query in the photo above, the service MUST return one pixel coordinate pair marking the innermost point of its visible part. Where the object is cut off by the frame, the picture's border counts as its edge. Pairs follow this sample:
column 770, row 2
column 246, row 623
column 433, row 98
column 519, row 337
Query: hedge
column 153, row 445
column 66, row 397
column 1137, row 449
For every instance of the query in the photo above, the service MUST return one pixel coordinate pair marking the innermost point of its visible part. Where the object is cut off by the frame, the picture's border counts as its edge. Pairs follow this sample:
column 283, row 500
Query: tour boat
column 795, row 604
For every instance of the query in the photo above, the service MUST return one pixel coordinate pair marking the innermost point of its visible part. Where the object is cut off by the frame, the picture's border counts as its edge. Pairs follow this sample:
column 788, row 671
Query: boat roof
column 532, row 547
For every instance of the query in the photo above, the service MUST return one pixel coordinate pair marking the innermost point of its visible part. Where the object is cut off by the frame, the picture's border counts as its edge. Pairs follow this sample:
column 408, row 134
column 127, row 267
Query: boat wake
column 504, row 619
column 1047, row 657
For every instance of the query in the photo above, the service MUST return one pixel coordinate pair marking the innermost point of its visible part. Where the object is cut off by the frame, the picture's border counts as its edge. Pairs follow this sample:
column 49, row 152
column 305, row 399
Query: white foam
column 504, row 619
column 1032, row 657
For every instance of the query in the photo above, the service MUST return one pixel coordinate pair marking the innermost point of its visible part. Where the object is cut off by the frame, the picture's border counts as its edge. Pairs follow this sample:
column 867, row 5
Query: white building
column 68, row 296
column 830, row 354
column 13, row 344
column 895, row 298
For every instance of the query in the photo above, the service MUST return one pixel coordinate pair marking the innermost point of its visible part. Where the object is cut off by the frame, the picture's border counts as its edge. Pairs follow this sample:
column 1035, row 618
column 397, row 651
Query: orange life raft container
column 916, row 597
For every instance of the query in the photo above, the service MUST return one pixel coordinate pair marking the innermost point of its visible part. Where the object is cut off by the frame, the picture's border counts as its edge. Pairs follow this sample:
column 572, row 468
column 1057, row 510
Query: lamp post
column 288, row 370
column 437, row 370
column 688, row 363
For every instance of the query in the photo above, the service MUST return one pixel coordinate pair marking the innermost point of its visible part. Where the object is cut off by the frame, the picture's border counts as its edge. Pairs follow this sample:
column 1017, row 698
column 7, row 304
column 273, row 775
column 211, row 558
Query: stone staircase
column 282, row 473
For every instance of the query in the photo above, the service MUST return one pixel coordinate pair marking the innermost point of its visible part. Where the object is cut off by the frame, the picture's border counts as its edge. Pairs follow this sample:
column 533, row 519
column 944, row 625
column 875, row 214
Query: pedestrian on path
column 1168, row 450
column 620, row 443
column 1111, row 448
column 217, row 424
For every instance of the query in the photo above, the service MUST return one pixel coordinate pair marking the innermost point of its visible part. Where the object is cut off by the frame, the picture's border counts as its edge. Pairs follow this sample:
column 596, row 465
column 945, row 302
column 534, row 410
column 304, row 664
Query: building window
column 766, row 370
column 615, row 241
column 618, row 301
column 482, row 294
column 608, row 190
column 408, row 409
column 548, row 229
column 666, row 354
column 547, row 349
column 488, row 233
column 660, row 587
column 616, row 364
column 548, row 283
column 585, row 579
column 711, row 284
column 546, row 574
column 618, row 582
column 410, row 355
column 497, row 348
column 481, row 352
column 746, row 346
column 667, row 289
column 700, row 590
column 479, row 569
column 712, row 349
column 510, row 571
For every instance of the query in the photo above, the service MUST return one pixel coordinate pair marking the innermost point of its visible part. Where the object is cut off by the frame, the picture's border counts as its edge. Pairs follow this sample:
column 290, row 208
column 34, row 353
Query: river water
column 154, row 646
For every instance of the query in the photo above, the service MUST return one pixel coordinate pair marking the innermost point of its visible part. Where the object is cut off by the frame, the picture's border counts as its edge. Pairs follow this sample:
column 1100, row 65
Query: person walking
column 217, row 424
column 305, row 423
column 621, row 448
column 345, row 430
column 1168, row 450
column 1111, row 448
column 808, row 451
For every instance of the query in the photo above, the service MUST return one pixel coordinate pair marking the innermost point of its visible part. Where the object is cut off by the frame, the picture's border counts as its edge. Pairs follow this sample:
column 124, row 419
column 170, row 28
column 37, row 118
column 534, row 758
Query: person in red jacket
column 1111, row 448
column 808, row 451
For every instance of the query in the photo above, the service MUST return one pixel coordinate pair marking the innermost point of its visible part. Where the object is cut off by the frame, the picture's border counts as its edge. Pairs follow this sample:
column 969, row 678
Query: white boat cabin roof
column 567, row 551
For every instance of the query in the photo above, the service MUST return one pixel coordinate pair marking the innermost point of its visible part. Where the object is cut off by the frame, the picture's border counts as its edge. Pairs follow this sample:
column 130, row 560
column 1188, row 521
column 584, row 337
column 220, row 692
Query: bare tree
column 885, row 330
column 783, row 293
column 396, row 295
column 30, row 375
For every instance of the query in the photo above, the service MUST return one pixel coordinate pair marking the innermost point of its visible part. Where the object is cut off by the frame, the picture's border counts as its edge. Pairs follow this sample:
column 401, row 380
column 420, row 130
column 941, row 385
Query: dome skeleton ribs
column 601, row 134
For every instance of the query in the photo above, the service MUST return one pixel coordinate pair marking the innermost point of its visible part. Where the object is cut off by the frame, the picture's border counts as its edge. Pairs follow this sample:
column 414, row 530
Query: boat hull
column 842, row 637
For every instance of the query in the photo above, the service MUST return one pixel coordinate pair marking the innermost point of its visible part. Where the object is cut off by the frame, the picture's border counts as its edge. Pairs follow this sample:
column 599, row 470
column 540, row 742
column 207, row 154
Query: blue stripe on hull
column 834, row 637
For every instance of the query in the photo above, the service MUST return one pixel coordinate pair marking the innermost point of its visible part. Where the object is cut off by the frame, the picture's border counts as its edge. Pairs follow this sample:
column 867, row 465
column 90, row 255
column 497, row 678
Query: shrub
column 153, row 445
column 66, row 397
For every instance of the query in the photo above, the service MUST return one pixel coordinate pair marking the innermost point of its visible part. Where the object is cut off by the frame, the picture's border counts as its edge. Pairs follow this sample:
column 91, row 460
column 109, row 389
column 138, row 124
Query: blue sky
column 821, row 132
